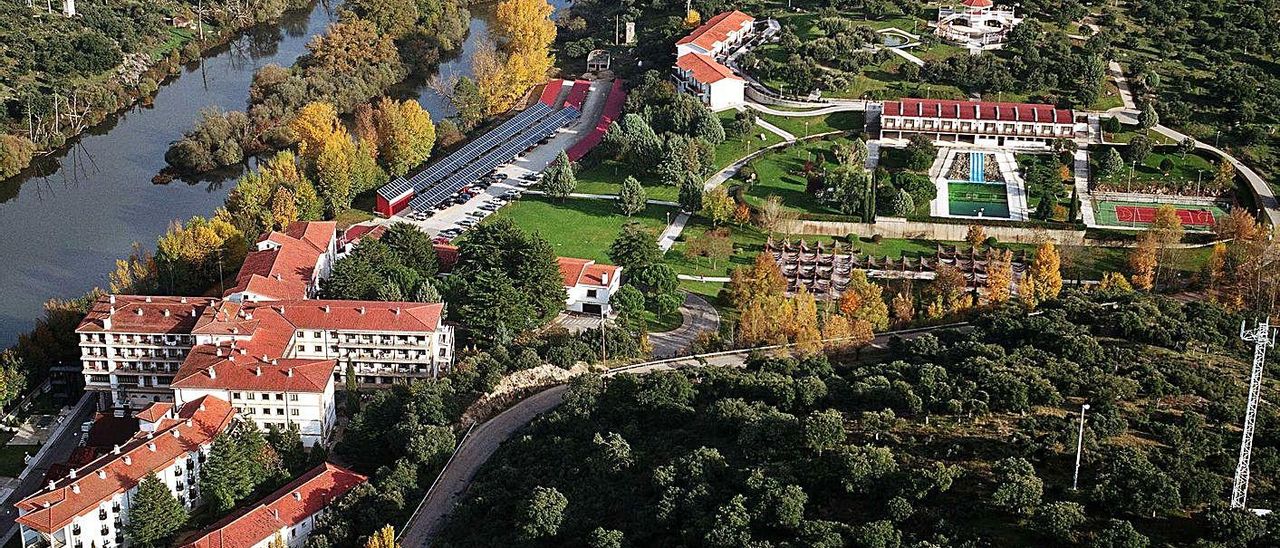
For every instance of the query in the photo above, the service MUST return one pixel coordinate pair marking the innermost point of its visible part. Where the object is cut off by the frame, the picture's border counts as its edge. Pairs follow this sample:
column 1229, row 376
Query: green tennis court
column 978, row 199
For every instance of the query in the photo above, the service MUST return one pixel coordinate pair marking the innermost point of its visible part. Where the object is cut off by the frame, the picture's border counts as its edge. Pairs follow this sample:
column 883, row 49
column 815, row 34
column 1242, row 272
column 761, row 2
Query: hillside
column 964, row 439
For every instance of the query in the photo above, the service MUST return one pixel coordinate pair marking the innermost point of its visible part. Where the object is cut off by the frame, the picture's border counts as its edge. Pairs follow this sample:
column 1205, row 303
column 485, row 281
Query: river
column 67, row 220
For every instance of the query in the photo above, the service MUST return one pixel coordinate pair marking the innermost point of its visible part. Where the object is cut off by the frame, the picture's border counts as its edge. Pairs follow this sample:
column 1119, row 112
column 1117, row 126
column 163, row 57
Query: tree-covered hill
column 962, row 439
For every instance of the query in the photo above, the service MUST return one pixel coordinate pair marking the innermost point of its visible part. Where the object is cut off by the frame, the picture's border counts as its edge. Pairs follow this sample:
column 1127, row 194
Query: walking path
column 909, row 57
column 485, row 439
column 786, row 135
column 1126, row 95
column 1266, row 197
column 605, row 197
column 1081, row 172
column 698, row 315
column 856, row 106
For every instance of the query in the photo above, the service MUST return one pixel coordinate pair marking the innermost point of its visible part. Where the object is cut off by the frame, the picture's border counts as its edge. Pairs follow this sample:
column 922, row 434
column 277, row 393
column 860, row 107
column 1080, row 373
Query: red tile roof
column 447, row 256
column 716, row 29
column 146, row 315
column 585, row 272
column 154, row 412
column 978, row 3
column 284, row 269
column 359, row 232
column 52, row 509
column 263, row 331
column 705, row 69
column 286, row 507
column 973, row 110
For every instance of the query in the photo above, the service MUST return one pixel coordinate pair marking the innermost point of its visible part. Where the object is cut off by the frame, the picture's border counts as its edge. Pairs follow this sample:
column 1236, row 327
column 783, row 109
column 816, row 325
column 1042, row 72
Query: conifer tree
column 154, row 514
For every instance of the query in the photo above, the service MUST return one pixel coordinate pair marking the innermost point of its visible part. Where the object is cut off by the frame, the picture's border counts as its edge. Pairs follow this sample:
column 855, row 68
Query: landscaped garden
column 782, row 173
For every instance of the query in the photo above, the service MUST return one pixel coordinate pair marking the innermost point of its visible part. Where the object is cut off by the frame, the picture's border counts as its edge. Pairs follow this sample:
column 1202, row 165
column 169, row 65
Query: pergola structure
column 824, row 270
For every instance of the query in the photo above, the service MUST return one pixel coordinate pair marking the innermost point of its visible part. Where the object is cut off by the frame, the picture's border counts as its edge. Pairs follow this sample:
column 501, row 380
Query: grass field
column 781, row 173
column 1105, row 211
column 580, row 228
column 814, row 125
column 1184, row 175
column 971, row 198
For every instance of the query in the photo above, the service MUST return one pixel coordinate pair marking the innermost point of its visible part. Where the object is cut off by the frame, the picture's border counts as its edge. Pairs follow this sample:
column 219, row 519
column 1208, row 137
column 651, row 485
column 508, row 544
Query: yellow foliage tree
column 136, row 274
column 843, row 335
column 999, row 276
column 1044, row 275
column 804, row 324
column 383, row 538
column 525, row 24
column 864, row 300
column 717, row 206
column 334, row 168
column 284, row 209
column 692, row 18
column 1114, row 282
column 1143, row 262
column 903, row 308
column 762, row 279
column 313, row 124
column 405, row 134
column 975, row 236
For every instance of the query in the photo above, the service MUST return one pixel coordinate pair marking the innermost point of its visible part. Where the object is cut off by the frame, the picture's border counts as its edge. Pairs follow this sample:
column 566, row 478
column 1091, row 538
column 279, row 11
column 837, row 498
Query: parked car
column 512, row 194
column 500, row 176
column 467, row 223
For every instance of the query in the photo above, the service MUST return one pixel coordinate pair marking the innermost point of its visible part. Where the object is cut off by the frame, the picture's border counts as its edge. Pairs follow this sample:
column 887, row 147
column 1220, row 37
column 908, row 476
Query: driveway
column 698, row 315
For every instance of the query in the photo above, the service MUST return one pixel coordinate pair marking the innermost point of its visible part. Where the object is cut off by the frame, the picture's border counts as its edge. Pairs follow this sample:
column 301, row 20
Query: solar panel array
column 462, row 156
column 501, row 155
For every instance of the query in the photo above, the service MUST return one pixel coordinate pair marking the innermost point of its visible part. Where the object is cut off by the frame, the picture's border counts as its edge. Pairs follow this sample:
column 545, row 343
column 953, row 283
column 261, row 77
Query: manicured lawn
column 581, row 228
column 662, row 324
column 1184, row 173
column 815, row 125
column 733, row 150
column 781, row 173
column 606, row 178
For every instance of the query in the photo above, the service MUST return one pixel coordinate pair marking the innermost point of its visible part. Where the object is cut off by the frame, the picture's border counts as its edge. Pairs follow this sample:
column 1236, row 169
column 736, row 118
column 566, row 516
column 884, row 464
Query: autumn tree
column 903, row 308
column 312, row 126
column 864, row 300
column 770, row 214
column 1043, row 281
column 383, row 538
column 1225, row 177
column 1167, row 229
column 999, row 276
column 193, row 256
column 1143, row 261
column 843, row 335
column 405, row 134
column 335, row 168
column 715, row 245
column 975, row 235
column 717, row 206
column 1114, row 282
column 742, row 214
column 762, row 279
column 803, row 328
column 136, row 274
column 949, row 289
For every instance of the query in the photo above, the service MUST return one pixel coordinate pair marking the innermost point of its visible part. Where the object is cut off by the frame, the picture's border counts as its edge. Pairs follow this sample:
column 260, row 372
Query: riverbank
column 132, row 83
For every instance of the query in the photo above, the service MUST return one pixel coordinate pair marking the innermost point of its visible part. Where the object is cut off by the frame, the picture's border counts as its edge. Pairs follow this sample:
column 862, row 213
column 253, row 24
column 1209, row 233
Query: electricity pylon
column 1262, row 338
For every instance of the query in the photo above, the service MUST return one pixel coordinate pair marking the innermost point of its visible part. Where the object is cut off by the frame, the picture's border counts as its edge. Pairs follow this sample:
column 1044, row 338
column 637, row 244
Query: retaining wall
column 890, row 227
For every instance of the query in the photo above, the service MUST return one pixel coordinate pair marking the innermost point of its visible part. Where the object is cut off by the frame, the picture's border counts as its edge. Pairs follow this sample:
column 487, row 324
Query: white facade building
column 90, row 507
column 288, row 264
column 717, row 36
column 589, row 285
column 699, row 69
column 289, row 514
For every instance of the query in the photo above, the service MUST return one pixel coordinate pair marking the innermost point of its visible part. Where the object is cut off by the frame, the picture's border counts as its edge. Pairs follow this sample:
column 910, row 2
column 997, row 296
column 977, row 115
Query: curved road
column 484, row 440
column 698, row 315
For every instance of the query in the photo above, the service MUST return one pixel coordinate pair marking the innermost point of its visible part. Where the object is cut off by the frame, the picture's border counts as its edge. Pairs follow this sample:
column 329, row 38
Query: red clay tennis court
column 1144, row 214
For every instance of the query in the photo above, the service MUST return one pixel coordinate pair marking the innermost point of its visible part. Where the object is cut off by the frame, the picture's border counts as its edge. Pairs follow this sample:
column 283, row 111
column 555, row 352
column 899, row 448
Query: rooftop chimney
column 111, row 299
column 148, row 298
column 212, row 374
column 52, row 486
column 604, row 278
column 102, row 474
column 257, row 371
column 176, row 433
column 127, row 460
column 75, row 488
column 139, row 312
column 218, row 352
column 288, row 372
column 165, row 312
column 115, row 450
column 396, row 311
column 189, row 423
column 183, row 300
column 151, row 446
column 72, row 473
column 326, row 309
column 361, row 310
column 275, row 361
column 297, row 495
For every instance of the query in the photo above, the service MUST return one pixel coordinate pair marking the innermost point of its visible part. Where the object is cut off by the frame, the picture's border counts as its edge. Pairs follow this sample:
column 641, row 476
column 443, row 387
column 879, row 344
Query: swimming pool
column 978, row 199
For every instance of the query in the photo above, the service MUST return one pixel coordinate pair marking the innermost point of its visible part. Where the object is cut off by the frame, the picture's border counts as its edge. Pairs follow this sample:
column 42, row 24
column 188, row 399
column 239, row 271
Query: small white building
column 589, row 285
column 90, row 507
column 977, row 24
column 712, row 83
column 289, row 514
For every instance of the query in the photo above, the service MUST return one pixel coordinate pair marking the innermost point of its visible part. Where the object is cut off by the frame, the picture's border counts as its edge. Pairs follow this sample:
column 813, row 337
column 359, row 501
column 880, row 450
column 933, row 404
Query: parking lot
column 451, row 220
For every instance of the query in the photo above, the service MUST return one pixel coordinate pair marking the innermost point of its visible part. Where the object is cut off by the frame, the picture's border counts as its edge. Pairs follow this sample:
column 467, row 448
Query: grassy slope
column 578, row 227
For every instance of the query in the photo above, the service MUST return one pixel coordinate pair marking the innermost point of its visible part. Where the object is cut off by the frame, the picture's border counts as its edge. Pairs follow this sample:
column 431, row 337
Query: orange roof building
column 589, row 285
column 698, row 69
column 290, row 513
column 287, row 264
column 90, row 506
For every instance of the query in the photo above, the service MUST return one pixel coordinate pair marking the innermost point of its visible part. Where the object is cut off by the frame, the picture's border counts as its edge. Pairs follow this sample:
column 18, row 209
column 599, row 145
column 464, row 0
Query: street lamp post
column 1075, row 478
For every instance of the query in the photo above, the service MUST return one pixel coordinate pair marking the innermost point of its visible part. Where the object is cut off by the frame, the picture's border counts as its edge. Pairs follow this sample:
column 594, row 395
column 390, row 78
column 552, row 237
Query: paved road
column 699, row 316
column 473, row 453
column 61, row 446
column 485, row 439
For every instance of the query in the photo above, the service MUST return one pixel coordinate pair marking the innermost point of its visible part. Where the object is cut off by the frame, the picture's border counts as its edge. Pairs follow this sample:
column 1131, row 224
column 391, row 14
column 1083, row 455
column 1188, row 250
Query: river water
column 65, row 222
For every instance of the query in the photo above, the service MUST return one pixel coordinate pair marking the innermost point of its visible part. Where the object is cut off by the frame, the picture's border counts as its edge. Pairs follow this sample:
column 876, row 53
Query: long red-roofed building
column 717, row 35
column 977, row 122
column 698, row 69
column 289, row 514
column 90, row 506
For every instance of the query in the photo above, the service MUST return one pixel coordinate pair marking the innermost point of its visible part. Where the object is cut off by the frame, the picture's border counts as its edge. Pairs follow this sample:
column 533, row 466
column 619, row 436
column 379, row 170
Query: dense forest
column 958, row 438
column 60, row 75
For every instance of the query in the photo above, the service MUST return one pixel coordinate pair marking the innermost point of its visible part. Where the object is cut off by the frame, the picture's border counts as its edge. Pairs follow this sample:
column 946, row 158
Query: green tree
column 1060, row 520
column 823, row 430
column 1147, row 117
column 543, row 513
column 604, row 538
column 1018, row 488
column 632, row 198
column 413, row 248
column 717, row 206
column 154, row 514
column 1120, row 534
column 558, row 181
column 1110, row 164
column 467, row 100
column 1138, row 150
column 920, row 152
column 634, row 247
column 690, row 195
column 1127, row 480
column 732, row 525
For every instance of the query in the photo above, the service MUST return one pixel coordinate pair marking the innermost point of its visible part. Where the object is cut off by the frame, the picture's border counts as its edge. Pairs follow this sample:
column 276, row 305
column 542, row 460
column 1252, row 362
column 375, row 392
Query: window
column 266, row 396
column 293, row 397
column 293, row 412
column 279, row 397
column 235, row 395
column 249, row 396
column 316, row 348
column 279, row 410
column 591, row 293
column 315, row 334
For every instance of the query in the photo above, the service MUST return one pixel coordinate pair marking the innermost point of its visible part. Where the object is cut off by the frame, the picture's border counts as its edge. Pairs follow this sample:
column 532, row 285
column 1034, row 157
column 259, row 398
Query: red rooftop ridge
column 716, row 29
column 978, row 110
column 287, row 507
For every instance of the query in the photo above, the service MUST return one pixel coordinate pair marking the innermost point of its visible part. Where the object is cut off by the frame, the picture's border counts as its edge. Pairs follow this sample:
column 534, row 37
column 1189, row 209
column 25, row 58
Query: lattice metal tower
column 1262, row 338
